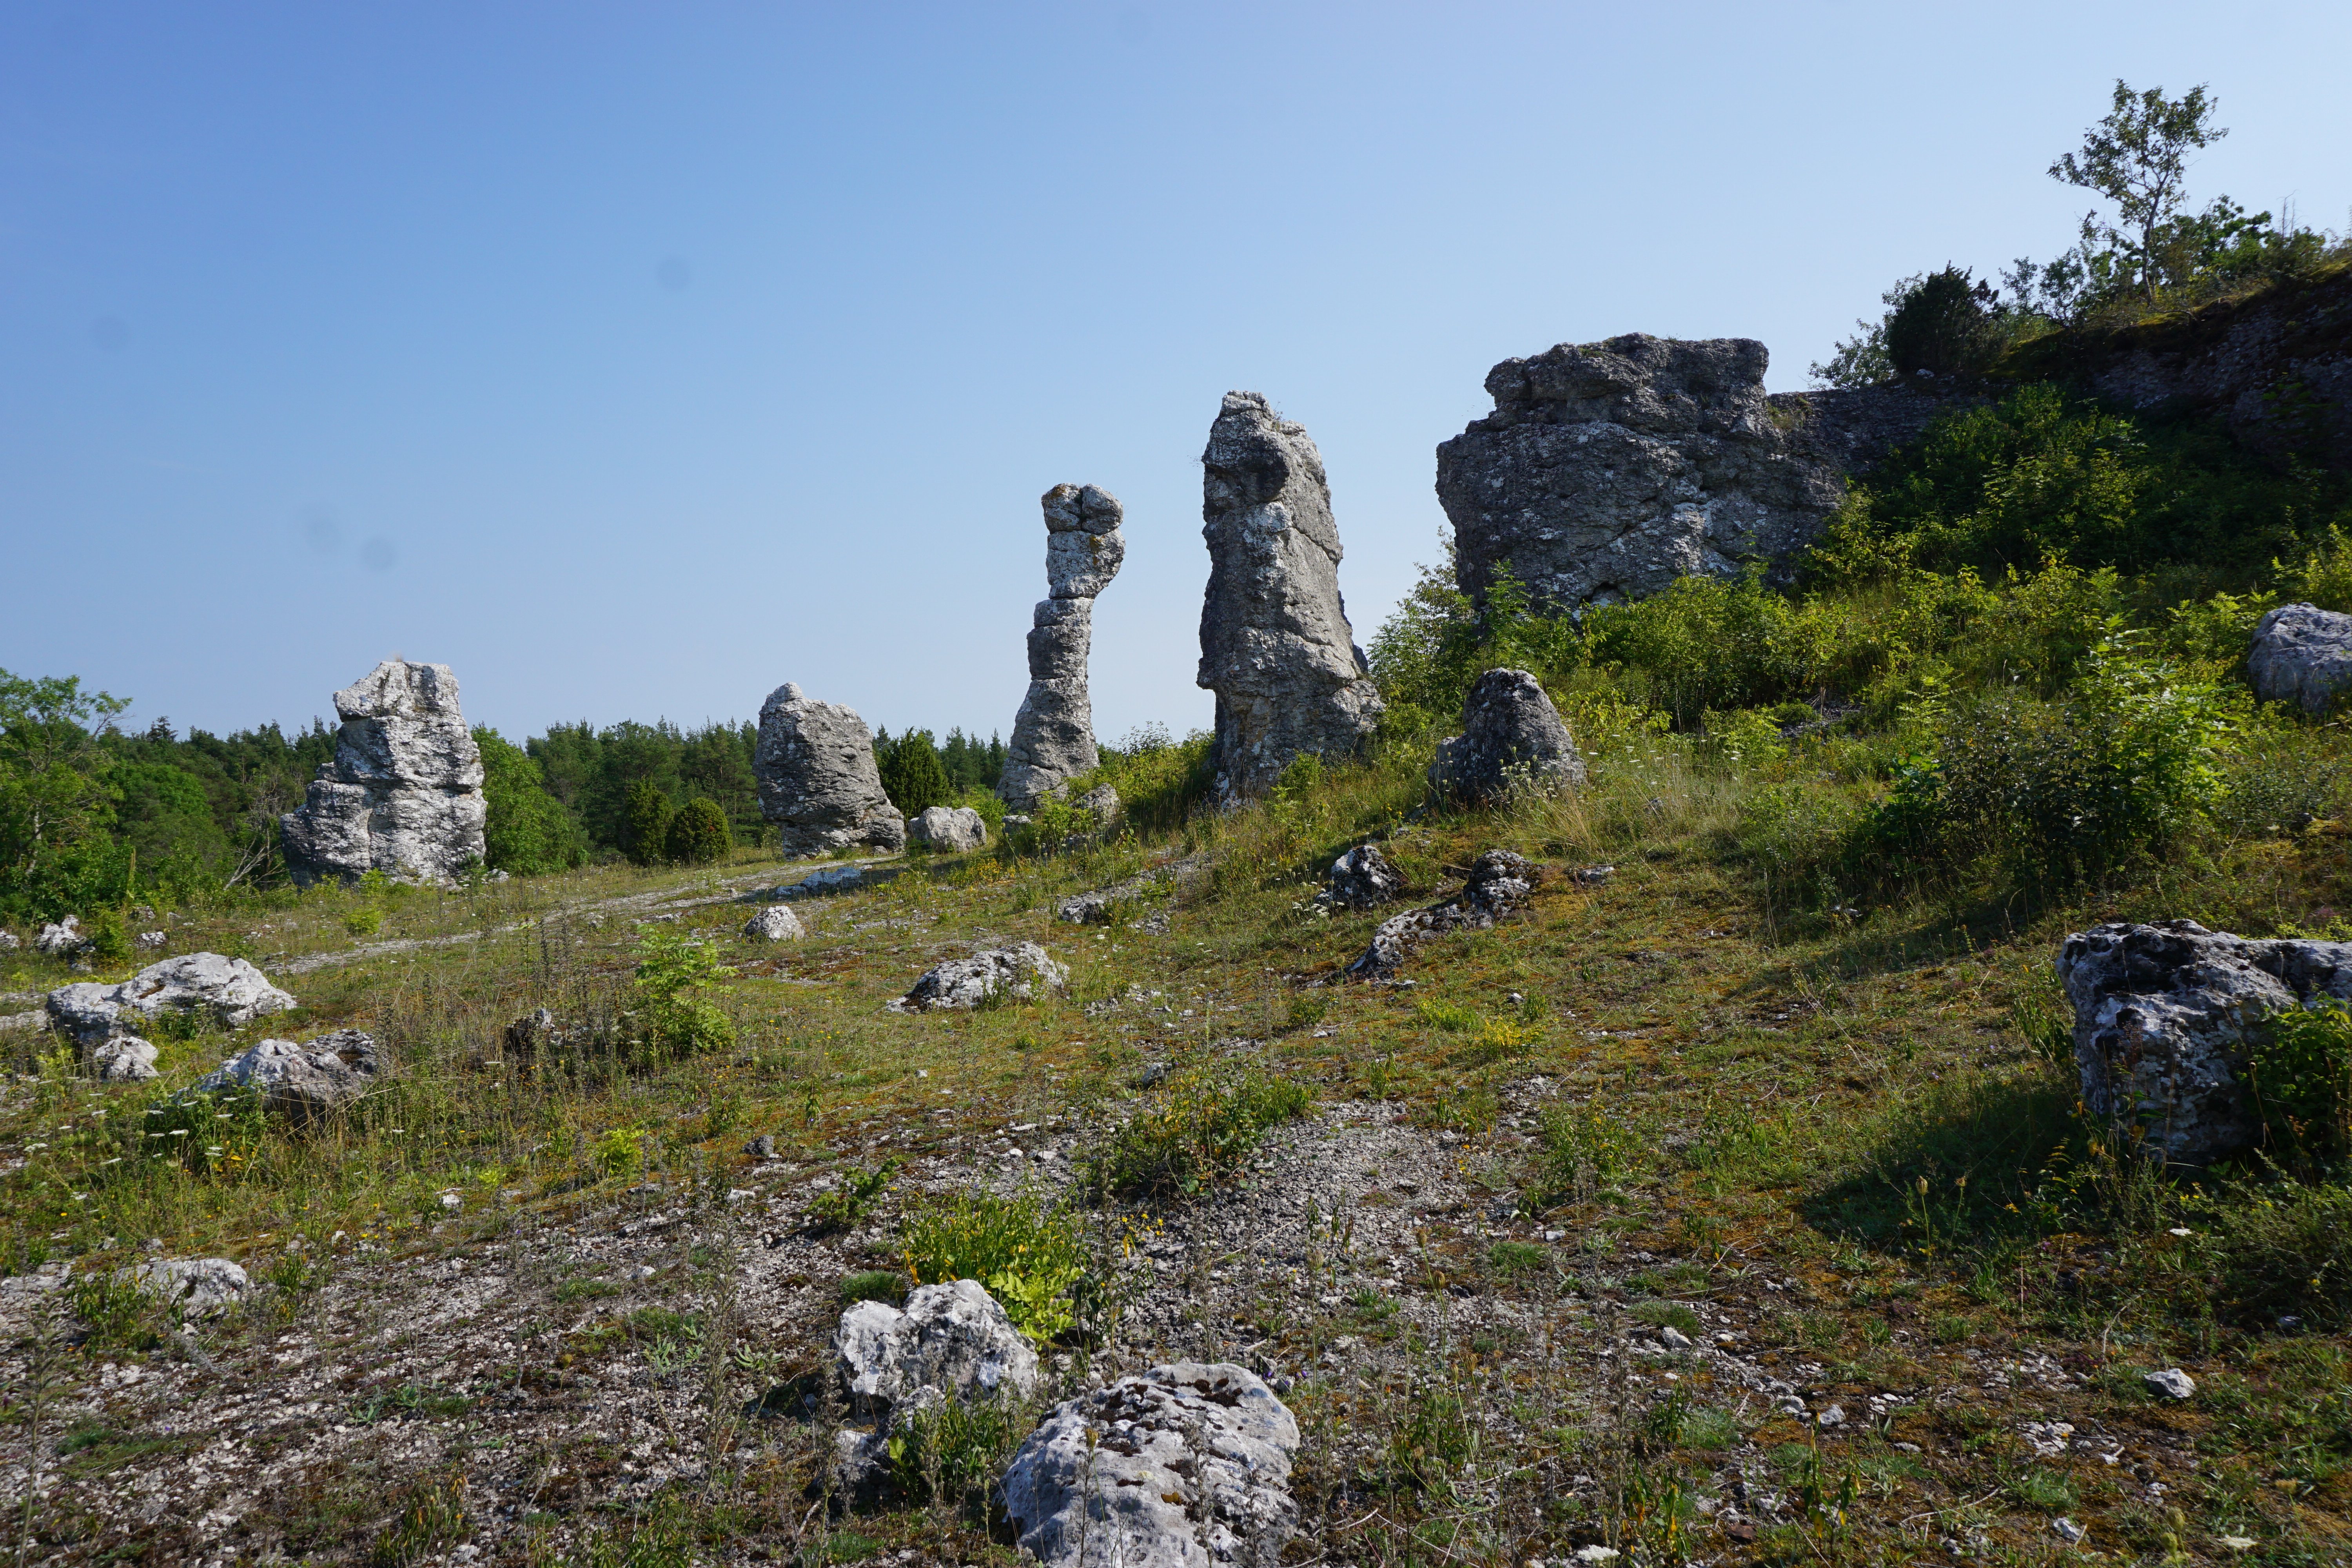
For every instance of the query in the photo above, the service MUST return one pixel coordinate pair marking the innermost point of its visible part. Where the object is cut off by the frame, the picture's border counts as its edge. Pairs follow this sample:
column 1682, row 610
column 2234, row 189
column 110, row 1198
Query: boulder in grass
column 949, row 828
column 231, row 990
column 1512, row 743
column 1362, row 879
column 126, row 1058
column 304, row 1083
column 61, row 939
column 774, row 923
column 190, row 1286
column 1499, row 883
column 1186, row 1466
column 962, row 982
column 955, row 1338
column 2302, row 654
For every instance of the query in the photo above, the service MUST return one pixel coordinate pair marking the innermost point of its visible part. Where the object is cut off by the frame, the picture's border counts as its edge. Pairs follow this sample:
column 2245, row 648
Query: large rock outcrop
column 232, row 992
column 962, row 983
column 1276, row 645
column 818, row 782
column 1053, row 734
column 954, row 829
column 1609, row 469
column 404, row 794
column 1512, row 743
column 304, row 1083
column 1185, row 1466
column 2166, row 1016
column 2302, row 654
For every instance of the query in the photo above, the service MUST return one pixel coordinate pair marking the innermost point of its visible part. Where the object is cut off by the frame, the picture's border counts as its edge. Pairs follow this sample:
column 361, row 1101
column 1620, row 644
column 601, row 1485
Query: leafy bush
column 1946, row 324
column 647, row 840
column 671, row 964
column 1194, row 1133
column 1584, row 1149
column 617, row 1153
column 697, row 834
column 912, row 773
column 851, row 1198
column 528, row 831
column 953, row 1451
column 1029, row 1257
column 2300, row 1077
column 871, row 1284
column 2281, row 1248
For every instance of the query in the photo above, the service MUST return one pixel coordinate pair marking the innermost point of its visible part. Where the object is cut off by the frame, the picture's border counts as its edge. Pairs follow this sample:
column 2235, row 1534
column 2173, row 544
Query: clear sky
column 633, row 359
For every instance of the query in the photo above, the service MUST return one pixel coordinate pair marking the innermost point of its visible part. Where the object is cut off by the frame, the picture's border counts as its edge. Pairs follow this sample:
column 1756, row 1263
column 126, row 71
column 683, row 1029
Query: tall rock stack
column 404, row 794
column 1276, row 645
column 1053, row 735
column 818, row 783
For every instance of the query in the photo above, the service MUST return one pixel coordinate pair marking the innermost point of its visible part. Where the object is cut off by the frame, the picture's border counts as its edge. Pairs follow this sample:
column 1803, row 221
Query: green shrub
column 2299, row 1075
column 697, row 834
column 1029, row 1257
column 617, row 1153
column 2278, row 1248
column 649, row 812
column 1584, row 1149
column 670, row 964
column 953, row 1452
column 1194, row 1133
column 1946, row 324
column 528, row 831
column 912, row 774
column 872, row 1285
column 853, row 1196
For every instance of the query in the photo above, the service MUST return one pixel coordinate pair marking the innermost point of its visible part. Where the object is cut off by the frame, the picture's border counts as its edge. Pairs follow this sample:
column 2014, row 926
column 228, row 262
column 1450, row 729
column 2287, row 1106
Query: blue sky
column 634, row 360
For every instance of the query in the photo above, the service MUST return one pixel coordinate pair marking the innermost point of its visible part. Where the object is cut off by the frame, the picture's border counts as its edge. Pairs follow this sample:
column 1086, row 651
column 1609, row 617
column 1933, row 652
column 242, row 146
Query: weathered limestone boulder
column 1362, row 879
column 404, row 794
column 818, row 782
column 1499, row 883
column 62, row 939
column 2166, row 1016
column 2302, row 654
column 962, row 982
column 953, row 828
column 1053, row 734
column 1276, row 645
column 774, row 923
column 192, row 1287
column 126, row 1058
column 304, row 1083
column 233, row 991
column 822, row 883
column 1609, row 469
column 1185, row 1466
column 1512, row 743
column 953, row 1338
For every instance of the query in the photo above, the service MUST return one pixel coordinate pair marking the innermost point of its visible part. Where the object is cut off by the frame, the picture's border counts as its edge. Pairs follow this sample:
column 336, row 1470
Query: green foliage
column 116, row 1310
column 2277, row 1248
column 697, row 834
column 596, row 772
column 1584, row 1149
column 617, row 1153
column 1946, row 324
column 1519, row 1259
column 953, row 1451
column 2137, row 157
column 676, row 974
column 1196, row 1132
column 529, row 830
column 871, row 1284
column 1028, row 1255
column 1161, row 781
column 56, row 807
column 2300, row 1077
column 853, row 1196
column 912, row 773
column 648, row 839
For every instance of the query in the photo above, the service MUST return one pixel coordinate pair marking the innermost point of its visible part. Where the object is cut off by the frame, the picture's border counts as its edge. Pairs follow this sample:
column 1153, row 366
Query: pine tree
column 911, row 772
column 697, row 834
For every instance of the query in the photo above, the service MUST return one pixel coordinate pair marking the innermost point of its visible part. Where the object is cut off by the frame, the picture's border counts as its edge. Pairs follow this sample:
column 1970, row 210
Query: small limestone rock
column 818, row 782
column 304, row 1083
column 2170, row 1383
column 535, row 1034
column 1512, row 743
column 126, row 1058
column 1276, row 644
column 233, row 991
column 60, row 940
column 2302, row 654
column 193, row 1287
column 954, row 1338
column 969, row 982
column 953, row 828
column 1362, row 879
column 2164, row 1017
column 1674, row 1339
column 1053, row 734
column 774, row 923
column 1499, row 883
column 1185, row 1466
column 763, row 1147
column 404, row 794
column 149, row 941
column 818, row 884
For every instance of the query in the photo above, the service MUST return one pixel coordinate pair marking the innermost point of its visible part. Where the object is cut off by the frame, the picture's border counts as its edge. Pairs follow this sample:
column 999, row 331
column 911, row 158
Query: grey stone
column 818, row 783
column 953, row 828
column 1512, row 743
column 8, row 942
column 233, row 991
column 404, row 794
column 192, row 1287
column 763, row 1147
column 1609, row 469
column 2172, row 1384
column 968, row 982
column 774, row 923
column 1362, row 879
column 152, row 940
column 819, row 883
column 304, row 1083
column 1104, row 809
column 1053, row 734
column 2302, row 654
column 1185, row 1466
column 126, row 1058
column 1276, row 645
column 954, row 1338
column 2166, row 1015
column 1499, row 883
column 62, row 939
